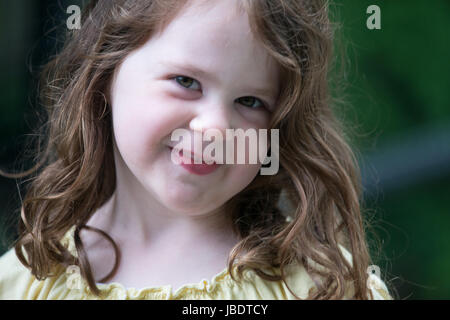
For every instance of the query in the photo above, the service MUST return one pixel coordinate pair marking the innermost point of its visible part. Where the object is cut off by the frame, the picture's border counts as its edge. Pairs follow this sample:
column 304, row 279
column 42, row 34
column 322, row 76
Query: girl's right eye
column 186, row 82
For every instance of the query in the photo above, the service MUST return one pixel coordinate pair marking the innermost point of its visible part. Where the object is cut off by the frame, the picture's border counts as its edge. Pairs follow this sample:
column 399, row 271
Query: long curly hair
column 318, row 173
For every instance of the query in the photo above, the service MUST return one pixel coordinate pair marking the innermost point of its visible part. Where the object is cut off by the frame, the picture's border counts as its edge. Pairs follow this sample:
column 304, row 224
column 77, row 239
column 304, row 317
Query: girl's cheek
column 254, row 119
column 242, row 174
column 146, row 124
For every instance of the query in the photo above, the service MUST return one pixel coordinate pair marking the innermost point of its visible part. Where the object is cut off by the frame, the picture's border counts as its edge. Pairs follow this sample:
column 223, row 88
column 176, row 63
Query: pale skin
column 169, row 223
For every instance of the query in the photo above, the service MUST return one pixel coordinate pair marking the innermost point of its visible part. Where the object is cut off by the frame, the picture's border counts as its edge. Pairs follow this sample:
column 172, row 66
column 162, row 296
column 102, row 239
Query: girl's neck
column 177, row 252
column 126, row 222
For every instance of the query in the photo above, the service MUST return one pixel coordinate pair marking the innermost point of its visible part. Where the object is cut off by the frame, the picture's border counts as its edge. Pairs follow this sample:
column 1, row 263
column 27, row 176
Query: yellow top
column 17, row 283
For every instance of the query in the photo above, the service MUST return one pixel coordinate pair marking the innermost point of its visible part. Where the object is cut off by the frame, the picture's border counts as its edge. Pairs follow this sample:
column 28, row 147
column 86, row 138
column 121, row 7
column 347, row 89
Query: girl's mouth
column 198, row 169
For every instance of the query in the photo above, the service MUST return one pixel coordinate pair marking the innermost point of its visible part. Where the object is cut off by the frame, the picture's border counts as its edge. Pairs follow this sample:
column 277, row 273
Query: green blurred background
column 398, row 108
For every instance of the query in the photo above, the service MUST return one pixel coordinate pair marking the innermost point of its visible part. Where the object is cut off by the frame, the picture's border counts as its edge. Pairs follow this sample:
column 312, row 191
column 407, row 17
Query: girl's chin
column 185, row 197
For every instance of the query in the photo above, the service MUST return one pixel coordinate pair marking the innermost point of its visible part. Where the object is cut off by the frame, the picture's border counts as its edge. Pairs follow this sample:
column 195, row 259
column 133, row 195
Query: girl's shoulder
column 375, row 284
column 18, row 283
column 15, row 278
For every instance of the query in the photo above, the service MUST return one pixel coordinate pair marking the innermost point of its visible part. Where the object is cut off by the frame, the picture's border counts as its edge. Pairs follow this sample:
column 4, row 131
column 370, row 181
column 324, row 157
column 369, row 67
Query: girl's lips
column 199, row 169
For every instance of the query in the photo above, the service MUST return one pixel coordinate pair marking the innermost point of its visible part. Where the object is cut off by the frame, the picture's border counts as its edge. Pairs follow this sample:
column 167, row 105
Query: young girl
column 111, row 216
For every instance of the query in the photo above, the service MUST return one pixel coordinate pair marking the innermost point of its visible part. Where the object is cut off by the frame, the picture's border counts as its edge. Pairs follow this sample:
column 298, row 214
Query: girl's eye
column 247, row 101
column 186, row 82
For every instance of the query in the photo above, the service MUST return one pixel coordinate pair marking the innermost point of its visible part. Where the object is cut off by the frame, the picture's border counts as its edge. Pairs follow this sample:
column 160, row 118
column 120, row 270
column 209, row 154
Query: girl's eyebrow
column 202, row 74
column 194, row 70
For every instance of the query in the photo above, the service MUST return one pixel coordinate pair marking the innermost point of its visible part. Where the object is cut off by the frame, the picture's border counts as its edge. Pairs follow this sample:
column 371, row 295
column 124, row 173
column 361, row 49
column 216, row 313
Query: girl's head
column 155, row 90
column 113, row 100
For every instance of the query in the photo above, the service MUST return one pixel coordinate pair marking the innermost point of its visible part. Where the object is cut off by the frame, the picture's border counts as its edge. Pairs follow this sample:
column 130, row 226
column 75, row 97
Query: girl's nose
column 216, row 117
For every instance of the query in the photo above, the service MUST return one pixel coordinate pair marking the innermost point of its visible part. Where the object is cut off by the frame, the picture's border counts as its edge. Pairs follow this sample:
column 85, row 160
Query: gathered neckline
column 200, row 287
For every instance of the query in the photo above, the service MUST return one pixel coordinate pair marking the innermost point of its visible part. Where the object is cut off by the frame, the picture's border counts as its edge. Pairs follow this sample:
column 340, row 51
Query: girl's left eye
column 247, row 101
column 185, row 81
column 252, row 100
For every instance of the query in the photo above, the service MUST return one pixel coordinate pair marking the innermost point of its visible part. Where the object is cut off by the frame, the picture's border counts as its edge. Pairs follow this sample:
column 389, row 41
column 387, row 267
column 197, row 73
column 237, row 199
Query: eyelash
column 263, row 105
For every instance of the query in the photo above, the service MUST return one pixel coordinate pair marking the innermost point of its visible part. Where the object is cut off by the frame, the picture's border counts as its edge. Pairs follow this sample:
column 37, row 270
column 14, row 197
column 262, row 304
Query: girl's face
column 237, row 88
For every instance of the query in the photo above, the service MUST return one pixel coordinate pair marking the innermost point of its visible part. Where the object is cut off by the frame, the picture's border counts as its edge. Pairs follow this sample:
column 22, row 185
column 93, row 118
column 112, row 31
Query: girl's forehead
column 222, row 8
column 216, row 35
column 207, row 16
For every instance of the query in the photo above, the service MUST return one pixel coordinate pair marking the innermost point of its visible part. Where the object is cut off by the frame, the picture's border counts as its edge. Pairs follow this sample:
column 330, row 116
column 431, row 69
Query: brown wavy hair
column 318, row 172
